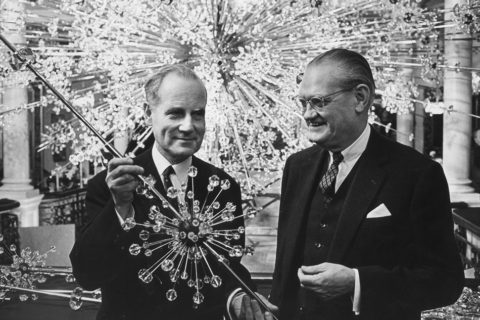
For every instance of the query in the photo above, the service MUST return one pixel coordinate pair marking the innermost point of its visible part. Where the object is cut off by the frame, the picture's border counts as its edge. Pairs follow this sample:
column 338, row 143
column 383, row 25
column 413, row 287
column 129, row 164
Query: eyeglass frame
column 304, row 102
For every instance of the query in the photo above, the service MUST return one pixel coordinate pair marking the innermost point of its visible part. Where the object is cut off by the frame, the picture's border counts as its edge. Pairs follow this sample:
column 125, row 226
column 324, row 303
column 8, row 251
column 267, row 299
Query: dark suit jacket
column 100, row 256
column 407, row 262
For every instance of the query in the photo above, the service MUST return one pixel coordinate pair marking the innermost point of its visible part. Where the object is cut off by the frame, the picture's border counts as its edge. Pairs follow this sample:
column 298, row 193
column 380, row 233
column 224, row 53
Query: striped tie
column 327, row 184
column 167, row 183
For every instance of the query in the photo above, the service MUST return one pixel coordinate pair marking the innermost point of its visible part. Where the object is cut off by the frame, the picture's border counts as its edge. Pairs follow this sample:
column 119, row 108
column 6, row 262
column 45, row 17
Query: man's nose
column 187, row 124
column 309, row 112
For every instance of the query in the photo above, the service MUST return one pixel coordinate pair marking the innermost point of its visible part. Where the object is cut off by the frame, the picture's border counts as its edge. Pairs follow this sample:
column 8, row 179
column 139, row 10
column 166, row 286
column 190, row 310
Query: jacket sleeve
column 432, row 274
column 275, row 294
column 100, row 249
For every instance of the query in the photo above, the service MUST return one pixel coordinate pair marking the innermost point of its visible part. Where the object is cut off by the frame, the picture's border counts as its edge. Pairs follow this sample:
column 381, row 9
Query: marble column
column 16, row 148
column 457, row 126
column 120, row 141
column 406, row 121
column 405, row 128
column 419, row 125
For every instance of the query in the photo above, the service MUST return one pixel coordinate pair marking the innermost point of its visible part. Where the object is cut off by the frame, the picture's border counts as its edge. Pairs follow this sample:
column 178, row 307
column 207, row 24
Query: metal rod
column 110, row 148
column 62, row 98
column 244, row 286
column 49, row 293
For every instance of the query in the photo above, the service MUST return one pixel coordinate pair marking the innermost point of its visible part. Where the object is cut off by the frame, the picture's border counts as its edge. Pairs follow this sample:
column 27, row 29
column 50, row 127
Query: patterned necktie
column 167, row 183
column 327, row 184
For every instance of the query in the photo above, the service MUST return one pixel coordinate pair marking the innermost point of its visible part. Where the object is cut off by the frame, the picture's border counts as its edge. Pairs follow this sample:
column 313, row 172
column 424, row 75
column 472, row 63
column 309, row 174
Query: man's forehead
column 319, row 77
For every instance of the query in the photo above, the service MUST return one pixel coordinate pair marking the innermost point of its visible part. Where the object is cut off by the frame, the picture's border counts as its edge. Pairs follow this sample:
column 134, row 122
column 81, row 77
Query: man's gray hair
column 354, row 68
column 155, row 81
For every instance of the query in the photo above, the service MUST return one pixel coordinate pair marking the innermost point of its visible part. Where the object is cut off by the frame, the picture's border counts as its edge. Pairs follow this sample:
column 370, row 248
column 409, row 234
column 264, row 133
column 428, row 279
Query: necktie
column 327, row 183
column 167, row 183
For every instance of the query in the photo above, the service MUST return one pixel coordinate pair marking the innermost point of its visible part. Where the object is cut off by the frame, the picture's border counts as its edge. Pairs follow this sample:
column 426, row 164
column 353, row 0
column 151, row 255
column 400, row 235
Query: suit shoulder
column 404, row 154
column 305, row 153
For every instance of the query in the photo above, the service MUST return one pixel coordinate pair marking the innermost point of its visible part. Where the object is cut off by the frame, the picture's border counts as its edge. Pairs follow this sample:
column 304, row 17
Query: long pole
column 117, row 154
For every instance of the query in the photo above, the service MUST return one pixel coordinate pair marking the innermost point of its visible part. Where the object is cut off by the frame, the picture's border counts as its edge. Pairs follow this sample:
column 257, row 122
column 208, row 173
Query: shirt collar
column 181, row 168
column 354, row 150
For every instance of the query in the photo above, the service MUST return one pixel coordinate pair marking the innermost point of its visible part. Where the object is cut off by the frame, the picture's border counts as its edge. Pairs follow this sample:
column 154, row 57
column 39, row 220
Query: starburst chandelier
column 248, row 54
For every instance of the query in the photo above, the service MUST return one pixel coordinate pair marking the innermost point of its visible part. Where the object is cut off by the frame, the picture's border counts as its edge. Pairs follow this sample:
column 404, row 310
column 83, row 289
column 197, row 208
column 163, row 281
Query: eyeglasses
column 318, row 102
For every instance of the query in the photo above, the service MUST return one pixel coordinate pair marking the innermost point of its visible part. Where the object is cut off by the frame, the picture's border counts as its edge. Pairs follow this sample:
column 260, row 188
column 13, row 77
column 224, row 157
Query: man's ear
column 362, row 94
column 148, row 113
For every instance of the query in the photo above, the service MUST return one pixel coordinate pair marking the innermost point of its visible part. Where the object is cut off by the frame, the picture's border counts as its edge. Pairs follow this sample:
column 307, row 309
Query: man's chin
column 184, row 152
column 317, row 137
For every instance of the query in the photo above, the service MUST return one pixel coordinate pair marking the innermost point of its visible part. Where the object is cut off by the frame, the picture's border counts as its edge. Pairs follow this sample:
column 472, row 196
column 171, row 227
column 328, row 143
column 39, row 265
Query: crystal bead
column 249, row 251
column 13, row 247
column 144, row 235
column 1, row 237
column 148, row 253
column 145, row 276
column 23, row 297
column 174, row 275
column 2, row 250
column 167, row 265
column 190, row 283
column 149, row 195
column 134, row 249
column 184, row 275
column 192, row 236
column 216, row 281
column 210, row 188
column 165, row 204
column 192, row 171
column 241, row 230
column 216, row 205
column 128, row 224
column 171, row 294
column 225, row 185
column 190, row 194
column 77, row 292
column 172, row 192
column 141, row 190
column 238, row 251
column 198, row 298
column 69, row 278
column 214, row 180
column 206, row 279
column 157, row 228
column 199, row 284
column 251, row 213
column 75, row 304
column 97, row 294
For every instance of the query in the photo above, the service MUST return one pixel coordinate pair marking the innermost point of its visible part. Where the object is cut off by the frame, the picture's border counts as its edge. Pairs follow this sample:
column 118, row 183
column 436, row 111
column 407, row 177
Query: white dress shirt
column 351, row 154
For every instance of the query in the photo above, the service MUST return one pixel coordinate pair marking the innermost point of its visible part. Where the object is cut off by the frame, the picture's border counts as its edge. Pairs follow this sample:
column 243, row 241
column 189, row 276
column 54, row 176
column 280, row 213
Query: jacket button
column 318, row 245
column 323, row 225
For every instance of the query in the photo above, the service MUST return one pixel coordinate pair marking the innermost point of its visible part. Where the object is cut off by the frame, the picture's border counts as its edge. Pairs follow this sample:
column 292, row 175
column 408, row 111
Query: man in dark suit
column 101, row 258
column 365, row 228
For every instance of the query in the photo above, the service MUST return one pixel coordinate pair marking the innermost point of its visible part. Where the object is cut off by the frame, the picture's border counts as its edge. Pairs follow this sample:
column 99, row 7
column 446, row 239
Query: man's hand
column 121, row 180
column 328, row 280
column 245, row 308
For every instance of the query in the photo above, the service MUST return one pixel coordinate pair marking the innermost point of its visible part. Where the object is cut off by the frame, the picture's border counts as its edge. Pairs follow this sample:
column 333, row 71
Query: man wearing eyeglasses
column 365, row 228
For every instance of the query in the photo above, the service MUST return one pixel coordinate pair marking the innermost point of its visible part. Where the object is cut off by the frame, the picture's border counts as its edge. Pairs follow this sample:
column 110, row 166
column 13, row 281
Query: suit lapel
column 366, row 183
column 303, row 177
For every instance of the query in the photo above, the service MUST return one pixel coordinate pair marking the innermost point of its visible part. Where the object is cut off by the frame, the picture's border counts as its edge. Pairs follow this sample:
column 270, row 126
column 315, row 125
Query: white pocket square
column 379, row 212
